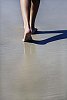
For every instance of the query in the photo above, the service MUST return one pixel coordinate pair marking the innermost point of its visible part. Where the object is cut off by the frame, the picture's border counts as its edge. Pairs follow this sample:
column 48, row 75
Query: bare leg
column 34, row 10
column 25, row 8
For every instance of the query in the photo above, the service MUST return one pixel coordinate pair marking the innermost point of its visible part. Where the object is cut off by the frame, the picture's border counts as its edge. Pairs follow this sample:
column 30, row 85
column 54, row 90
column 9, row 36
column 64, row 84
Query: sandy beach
column 37, row 70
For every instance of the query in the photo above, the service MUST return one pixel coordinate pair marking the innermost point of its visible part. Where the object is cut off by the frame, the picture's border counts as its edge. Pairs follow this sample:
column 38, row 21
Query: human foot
column 34, row 30
column 27, row 37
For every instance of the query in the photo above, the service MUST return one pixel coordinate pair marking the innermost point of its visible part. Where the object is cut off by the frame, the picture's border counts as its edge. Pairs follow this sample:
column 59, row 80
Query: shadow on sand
column 62, row 35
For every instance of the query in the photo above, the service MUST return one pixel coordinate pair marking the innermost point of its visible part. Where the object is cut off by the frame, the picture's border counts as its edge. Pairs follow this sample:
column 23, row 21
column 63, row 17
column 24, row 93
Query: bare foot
column 27, row 36
column 34, row 30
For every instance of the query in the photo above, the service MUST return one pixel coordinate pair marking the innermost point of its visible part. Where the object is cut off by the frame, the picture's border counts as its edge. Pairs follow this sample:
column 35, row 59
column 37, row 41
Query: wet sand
column 38, row 70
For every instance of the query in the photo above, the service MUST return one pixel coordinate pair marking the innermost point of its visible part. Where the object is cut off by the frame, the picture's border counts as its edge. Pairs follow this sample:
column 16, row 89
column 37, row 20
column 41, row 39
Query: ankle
column 26, row 28
column 32, row 27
